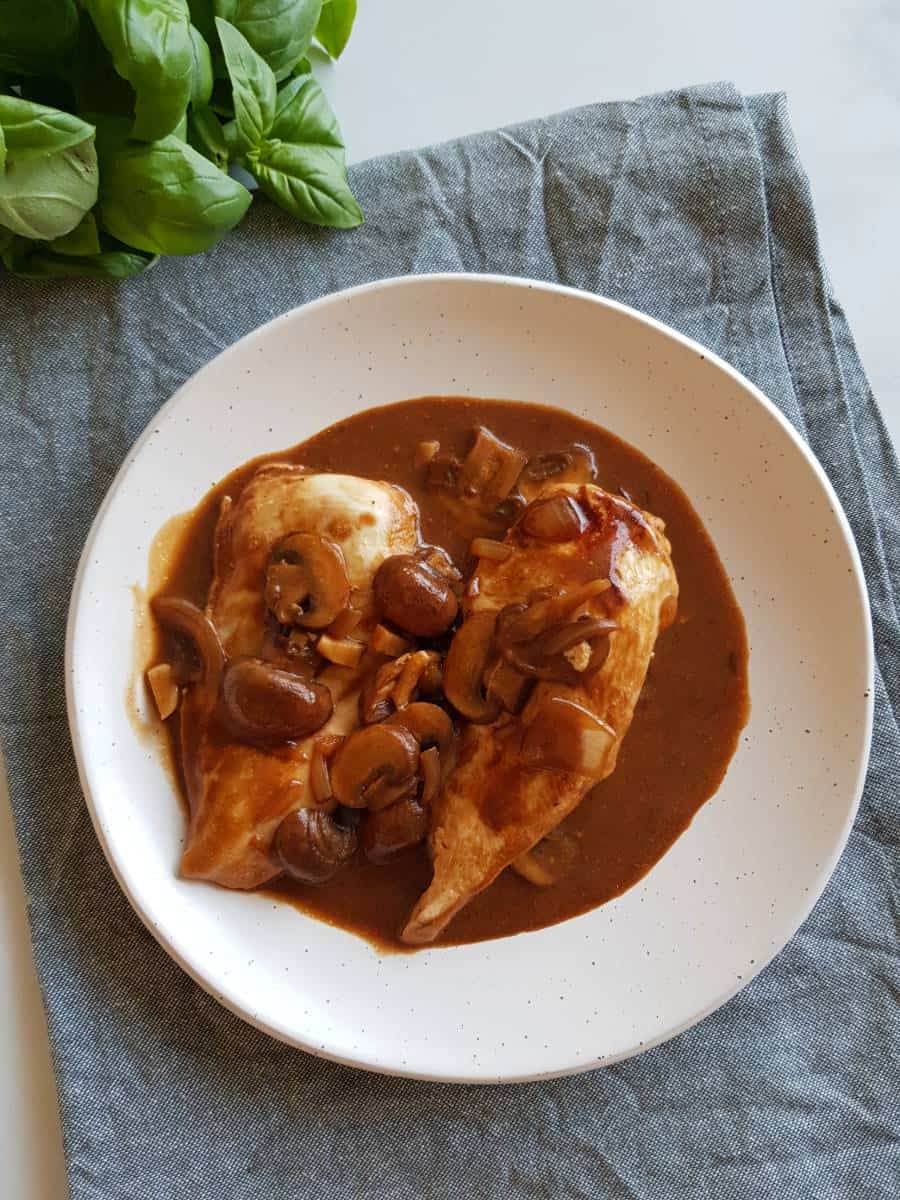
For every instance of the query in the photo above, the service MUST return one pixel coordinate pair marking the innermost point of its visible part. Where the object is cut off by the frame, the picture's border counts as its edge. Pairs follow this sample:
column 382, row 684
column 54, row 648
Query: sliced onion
column 319, row 780
column 578, row 631
column 483, row 547
column 343, row 652
column 430, row 769
column 385, row 641
column 529, row 868
column 556, row 519
column 565, row 736
column 164, row 689
column 344, row 623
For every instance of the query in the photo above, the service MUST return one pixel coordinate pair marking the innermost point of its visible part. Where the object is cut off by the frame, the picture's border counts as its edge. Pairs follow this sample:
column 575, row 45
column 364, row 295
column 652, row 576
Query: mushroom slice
column 265, row 705
column 374, row 755
column 182, row 617
column 465, row 666
column 306, row 581
column 428, row 724
column 311, row 846
column 490, row 469
column 392, row 830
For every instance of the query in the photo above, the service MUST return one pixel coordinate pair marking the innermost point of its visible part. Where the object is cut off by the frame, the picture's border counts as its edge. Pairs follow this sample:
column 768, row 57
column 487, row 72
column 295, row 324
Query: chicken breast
column 238, row 793
column 517, row 777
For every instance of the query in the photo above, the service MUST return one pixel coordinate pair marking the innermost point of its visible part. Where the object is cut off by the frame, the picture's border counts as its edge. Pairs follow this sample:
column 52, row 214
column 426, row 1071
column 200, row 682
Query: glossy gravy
column 687, row 722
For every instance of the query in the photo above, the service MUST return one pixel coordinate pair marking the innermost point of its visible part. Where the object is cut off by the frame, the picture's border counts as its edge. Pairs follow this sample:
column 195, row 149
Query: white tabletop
column 416, row 73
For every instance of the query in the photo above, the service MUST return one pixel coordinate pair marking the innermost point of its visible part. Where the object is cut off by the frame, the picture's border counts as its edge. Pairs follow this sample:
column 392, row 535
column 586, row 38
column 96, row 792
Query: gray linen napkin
column 693, row 207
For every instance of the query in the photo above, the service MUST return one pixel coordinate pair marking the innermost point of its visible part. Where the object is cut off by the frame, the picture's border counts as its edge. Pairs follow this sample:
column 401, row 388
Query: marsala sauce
column 688, row 719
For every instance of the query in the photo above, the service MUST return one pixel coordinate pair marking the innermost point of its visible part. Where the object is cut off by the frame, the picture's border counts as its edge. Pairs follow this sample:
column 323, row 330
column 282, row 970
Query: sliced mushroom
column 465, row 666
column 182, row 617
column 565, row 736
column 381, row 755
column 312, row 846
column 264, row 705
column 392, row 830
column 414, row 596
column 509, row 685
column 428, row 724
column 562, row 655
column 490, row 469
column 575, row 465
column 306, row 581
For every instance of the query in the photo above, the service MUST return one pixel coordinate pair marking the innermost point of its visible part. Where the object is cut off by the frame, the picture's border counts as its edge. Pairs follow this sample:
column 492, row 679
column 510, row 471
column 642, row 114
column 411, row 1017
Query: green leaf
column 84, row 239
column 34, row 130
column 303, row 67
column 36, row 35
column 279, row 30
column 300, row 164
column 34, row 260
column 164, row 197
column 335, row 25
column 50, row 178
column 201, row 72
column 252, row 86
column 151, row 47
column 205, row 135
column 2, row 148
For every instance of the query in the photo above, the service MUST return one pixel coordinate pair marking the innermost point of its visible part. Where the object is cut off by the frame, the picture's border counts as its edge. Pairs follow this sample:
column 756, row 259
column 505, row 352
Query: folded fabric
column 691, row 206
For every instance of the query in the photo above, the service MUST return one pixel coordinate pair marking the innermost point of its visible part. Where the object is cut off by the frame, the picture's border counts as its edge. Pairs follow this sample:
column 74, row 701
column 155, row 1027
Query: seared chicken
column 238, row 792
column 518, row 776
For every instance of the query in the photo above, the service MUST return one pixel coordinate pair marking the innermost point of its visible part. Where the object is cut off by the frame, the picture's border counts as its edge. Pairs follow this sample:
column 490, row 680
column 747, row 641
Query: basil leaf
column 252, row 86
column 201, row 72
column 84, row 239
column 36, row 35
column 335, row 25
column 279, row 30
column 300, row 164
column 150, row 44
column 303, row 67
column 2, row 148
column 34, row 130
column 206, row 136
column 35, row 261
column 164, row 197
column 50, row 178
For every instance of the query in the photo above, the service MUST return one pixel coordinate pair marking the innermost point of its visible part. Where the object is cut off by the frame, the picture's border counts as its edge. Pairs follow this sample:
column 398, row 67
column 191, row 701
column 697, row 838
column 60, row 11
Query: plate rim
column 361, row 1060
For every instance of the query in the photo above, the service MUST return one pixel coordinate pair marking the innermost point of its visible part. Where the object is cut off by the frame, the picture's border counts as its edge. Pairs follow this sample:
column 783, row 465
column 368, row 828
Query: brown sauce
column 686, row 726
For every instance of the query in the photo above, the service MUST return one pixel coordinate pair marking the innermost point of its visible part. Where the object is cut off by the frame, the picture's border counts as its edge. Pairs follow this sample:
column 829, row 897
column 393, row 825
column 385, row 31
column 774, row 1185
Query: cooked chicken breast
column 238, row 793
column 518, row 776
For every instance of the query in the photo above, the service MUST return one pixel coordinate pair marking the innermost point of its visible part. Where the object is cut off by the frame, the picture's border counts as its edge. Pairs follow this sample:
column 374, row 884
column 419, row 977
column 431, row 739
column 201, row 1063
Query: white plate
column 730, row 892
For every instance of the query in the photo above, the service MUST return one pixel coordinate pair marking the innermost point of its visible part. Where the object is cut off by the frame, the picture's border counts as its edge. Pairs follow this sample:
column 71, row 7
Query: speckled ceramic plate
column 736, row 885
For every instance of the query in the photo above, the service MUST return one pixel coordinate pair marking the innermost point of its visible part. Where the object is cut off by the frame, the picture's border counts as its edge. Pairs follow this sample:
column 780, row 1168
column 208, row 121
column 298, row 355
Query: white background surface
column 417, row 73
